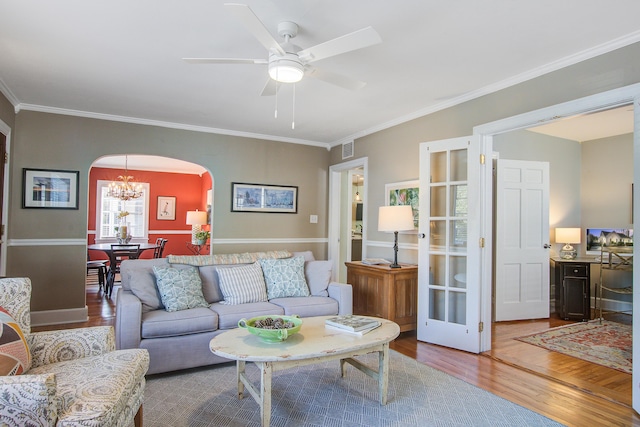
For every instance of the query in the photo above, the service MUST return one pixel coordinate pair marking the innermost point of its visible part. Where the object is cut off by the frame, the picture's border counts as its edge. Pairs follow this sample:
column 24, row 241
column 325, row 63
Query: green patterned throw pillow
column 180, row 289
column 285, row 277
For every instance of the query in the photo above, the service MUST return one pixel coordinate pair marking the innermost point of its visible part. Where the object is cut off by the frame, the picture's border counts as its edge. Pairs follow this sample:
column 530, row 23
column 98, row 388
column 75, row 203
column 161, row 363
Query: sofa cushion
column 242, row 284
column 180, row 289
column 15, row 358
column 318, row 274
column 228, row 315
column 285, row 277
column 210, row 286
column 307, row 255
column 307, row 306
column 142, row 283
column 160, row 323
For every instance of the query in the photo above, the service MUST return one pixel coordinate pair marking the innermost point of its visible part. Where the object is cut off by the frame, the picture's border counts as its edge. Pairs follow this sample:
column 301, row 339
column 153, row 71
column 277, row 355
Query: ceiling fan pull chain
column 276, row 114
column 293, row 113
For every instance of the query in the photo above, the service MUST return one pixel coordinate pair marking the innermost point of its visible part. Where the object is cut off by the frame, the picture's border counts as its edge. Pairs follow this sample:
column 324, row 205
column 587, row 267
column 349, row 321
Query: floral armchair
column 74, row 377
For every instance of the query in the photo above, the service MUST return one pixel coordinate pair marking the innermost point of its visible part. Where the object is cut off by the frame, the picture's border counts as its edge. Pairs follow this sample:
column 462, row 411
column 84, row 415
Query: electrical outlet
column 313, row 219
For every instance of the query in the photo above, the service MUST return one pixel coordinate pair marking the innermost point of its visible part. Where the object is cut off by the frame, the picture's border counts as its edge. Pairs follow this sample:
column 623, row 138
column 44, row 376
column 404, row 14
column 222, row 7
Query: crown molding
column 593, row 52
column 4, row 89
column 170, row 125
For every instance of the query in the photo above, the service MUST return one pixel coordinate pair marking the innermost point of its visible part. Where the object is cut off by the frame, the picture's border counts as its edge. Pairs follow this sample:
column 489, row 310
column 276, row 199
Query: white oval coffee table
column 315, row 343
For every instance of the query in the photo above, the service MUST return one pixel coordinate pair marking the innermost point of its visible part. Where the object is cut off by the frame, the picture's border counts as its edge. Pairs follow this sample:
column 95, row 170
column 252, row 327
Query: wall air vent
column 347, row 150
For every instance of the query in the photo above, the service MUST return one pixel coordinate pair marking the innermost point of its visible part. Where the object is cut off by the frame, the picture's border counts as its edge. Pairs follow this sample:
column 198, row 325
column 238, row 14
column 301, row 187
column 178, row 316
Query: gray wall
column 43, row 140
column 607, row 174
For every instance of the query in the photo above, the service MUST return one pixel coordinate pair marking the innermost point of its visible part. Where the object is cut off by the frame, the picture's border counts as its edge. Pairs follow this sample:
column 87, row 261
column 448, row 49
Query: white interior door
column 449, row 278
column 522, row 240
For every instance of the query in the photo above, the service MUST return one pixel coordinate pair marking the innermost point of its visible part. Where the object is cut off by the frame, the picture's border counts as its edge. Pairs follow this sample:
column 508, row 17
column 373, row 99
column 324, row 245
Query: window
column 108, row 210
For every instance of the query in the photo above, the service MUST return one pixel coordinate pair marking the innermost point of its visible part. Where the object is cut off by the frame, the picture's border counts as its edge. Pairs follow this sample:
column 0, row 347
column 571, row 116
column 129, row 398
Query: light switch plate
column 313, row 219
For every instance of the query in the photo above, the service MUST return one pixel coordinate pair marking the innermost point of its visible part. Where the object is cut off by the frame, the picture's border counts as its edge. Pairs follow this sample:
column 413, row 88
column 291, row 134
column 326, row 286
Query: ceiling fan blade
column 225, row 61
column 347, row 43
column 335, row 79
column 270, row 88
column 252, row 23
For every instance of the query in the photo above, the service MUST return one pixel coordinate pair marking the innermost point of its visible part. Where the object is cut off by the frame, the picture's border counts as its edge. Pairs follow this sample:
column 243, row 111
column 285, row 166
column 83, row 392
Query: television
column 596, row 237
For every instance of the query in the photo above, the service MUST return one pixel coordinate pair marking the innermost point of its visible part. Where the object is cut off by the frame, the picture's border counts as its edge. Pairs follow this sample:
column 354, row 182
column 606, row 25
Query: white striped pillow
column 243, row 284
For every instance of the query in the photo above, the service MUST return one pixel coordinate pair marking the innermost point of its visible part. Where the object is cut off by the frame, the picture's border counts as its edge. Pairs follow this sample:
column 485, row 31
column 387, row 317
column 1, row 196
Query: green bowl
column 271, row 335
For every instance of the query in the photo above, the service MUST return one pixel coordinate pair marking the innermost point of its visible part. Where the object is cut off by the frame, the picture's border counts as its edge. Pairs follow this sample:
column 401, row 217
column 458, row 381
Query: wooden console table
column 381, row 291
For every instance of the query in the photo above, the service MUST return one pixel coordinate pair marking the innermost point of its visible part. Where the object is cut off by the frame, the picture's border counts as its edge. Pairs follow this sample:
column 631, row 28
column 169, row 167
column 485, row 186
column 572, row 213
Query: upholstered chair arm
column 342, row 293
column 28, row 400
column 70, row 344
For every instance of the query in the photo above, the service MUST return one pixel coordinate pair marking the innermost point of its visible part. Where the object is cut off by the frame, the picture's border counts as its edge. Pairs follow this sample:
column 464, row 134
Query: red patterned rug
column 607, row 344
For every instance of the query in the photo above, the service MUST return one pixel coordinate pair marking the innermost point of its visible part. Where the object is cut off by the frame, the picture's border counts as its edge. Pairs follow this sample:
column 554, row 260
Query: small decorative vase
column 200, row 242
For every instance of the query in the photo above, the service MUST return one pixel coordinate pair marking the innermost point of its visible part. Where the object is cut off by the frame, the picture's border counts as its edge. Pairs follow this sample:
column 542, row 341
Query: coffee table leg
column 240, row 365
column 266, row 370
column 383, row 373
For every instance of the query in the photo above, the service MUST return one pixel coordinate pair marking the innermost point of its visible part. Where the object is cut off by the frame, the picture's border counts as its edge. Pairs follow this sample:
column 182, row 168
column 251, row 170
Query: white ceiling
column 121, row 59
column 587, row 127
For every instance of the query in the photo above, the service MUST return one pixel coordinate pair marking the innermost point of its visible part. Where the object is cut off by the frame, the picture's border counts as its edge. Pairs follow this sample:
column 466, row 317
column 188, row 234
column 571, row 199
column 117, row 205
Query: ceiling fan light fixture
column 286, row 69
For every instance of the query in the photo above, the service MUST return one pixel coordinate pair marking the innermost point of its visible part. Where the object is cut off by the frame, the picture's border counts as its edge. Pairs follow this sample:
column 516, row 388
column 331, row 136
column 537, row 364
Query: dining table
column 111, row 272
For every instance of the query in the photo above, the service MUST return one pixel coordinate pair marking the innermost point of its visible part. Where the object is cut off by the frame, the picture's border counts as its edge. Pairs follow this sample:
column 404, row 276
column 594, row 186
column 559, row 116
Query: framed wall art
column 166, row 208
column 49, row 189
column 404, row 193
column 263, row 198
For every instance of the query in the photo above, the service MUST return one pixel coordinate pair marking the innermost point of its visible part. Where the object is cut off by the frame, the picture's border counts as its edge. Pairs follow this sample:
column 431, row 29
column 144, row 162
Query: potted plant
column 202, row 236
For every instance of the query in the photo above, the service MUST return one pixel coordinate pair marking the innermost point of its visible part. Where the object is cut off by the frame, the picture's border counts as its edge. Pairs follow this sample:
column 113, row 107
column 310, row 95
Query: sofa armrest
column 69, row 344
column 342, row 293
column 128, row 320
column 29, row 400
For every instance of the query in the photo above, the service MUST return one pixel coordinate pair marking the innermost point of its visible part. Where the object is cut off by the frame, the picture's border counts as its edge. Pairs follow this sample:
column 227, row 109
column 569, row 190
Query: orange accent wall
column 190, row 192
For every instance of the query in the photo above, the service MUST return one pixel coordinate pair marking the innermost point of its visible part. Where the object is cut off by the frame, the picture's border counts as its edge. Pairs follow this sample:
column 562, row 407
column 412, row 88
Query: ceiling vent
column 347, row 150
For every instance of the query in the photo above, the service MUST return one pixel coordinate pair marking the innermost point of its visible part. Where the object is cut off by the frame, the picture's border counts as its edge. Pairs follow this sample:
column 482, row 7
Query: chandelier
column 124, row 190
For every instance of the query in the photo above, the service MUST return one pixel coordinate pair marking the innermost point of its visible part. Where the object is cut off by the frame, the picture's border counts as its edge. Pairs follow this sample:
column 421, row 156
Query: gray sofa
column 180, row 339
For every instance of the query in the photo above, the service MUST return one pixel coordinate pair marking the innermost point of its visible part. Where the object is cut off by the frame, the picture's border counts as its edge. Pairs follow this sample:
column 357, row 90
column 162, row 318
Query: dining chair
column 160, row 242
column 101, row 266
column 118, row 253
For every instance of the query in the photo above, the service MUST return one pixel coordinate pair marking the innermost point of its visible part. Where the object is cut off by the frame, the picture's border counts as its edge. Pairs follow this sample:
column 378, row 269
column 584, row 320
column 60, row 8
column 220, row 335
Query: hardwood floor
column 565, row 389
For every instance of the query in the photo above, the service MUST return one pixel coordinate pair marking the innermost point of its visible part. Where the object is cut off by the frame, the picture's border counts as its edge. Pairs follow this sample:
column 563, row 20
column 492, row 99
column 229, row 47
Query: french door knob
column 546, row 246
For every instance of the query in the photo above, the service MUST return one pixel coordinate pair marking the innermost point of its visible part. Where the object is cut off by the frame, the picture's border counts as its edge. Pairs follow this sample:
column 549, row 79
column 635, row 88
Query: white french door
column 449, row 277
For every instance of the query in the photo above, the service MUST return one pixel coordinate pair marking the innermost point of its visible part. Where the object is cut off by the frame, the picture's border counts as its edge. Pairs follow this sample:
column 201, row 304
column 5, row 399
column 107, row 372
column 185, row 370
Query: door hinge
column 482, row 159
column 6, row 157
column 480, row 326
column 482, row 242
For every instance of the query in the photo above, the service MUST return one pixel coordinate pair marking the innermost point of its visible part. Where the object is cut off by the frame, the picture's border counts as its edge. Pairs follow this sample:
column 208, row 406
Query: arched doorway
column 172, row 188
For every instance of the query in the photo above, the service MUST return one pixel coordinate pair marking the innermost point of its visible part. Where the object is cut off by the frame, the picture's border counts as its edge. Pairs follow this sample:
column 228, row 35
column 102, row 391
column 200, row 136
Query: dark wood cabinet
column 573, row 289
column 390, row 293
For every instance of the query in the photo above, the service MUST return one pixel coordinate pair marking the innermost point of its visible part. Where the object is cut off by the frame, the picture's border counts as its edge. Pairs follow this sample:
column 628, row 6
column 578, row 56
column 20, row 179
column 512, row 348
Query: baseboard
column 59, row 317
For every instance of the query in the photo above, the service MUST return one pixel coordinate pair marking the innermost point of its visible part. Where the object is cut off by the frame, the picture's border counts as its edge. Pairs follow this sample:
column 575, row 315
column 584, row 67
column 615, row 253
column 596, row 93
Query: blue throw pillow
column 285, row 277
column 180, row 289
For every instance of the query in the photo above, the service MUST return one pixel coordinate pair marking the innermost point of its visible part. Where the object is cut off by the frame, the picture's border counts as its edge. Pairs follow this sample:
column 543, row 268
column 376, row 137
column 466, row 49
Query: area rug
column 316, row 395
column 607, row 344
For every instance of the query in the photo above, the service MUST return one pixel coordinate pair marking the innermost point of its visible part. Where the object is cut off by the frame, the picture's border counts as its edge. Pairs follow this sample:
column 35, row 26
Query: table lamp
column 568, row 236
column 196, row 219
column 395, row 218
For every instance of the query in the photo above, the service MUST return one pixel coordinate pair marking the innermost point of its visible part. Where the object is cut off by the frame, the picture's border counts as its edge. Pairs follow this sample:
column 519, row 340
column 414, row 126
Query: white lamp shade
column 568, row 235
column 395, row 218
column 196, row 218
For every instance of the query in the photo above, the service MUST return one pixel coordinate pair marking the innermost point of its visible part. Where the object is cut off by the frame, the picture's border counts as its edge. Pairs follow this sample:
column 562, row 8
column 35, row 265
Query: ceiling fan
column 288, row 63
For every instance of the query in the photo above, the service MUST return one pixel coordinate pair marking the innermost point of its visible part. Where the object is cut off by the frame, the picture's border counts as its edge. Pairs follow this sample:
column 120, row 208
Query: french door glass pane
column 458, row 165
column 457, row 307
column 458, row 271
column 439, row 167
column 436, row 304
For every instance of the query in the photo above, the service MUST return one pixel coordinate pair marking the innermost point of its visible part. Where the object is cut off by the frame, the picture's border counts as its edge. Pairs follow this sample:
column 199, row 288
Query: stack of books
column 357, row 325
